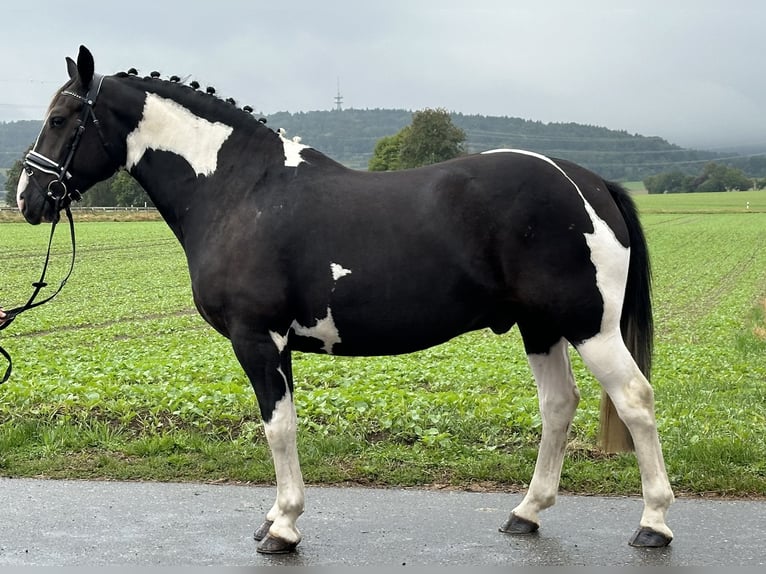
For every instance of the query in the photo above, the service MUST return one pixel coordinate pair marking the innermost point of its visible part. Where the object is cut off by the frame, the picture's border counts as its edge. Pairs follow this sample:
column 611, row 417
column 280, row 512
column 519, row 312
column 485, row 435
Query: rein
column 56, row 192
column 38, row 286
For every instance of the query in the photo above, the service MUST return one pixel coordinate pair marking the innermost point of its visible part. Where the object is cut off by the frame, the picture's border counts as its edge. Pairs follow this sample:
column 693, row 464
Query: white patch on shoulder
column 292, row 149
column 324, row 330
column 338, row 271
column 608, row 255
column 168, row 126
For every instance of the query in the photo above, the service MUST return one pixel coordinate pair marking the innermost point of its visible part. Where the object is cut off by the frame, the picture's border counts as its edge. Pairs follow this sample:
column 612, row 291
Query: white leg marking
column 338, row 271
column 324, row 330
column 167, row 125
column 558, row 397
column 281, row 434
column 611, row 363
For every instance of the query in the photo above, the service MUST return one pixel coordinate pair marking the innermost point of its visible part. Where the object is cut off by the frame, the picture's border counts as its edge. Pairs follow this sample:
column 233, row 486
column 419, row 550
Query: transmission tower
column 338, row 99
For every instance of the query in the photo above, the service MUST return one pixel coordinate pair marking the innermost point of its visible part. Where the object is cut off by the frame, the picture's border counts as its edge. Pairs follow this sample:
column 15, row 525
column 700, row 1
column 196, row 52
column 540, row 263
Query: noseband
column 56, row 190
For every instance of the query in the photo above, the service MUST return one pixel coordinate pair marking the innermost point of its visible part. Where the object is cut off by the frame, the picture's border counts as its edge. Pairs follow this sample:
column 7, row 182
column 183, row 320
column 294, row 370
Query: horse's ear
column 71, row 67
column 85, row 66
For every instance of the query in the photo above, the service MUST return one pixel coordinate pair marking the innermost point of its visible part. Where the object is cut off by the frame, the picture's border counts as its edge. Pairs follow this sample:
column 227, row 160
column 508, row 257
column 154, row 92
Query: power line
column 26, row 81
column 31, row 106
column 498, row 135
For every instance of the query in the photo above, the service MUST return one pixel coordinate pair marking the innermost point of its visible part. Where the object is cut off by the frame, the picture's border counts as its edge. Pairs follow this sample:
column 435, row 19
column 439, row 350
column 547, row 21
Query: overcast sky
column 691, row 71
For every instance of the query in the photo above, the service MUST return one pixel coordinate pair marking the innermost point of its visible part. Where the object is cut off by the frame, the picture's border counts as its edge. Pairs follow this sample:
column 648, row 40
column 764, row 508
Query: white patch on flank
column 338, row 271
column 324, row 330
column 608, row 255
column 168, row 126
column 20, row 187
column 292, row 149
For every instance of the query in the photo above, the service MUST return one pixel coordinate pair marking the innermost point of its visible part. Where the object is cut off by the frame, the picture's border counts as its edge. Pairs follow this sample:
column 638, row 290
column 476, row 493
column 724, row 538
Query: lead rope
column 38, row 285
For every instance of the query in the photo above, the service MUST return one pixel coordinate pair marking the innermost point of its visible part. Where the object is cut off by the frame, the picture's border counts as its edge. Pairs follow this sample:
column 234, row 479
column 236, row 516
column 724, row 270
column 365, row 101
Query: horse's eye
column 57, row 121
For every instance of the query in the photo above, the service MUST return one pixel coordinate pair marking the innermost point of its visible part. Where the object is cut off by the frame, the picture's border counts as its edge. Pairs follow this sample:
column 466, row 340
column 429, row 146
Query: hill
column 15, row 138
column 349, row 136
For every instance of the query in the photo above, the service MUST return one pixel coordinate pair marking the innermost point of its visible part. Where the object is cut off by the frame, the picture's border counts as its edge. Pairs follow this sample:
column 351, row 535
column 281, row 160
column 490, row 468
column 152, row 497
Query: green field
column 120, row 378
column 714, row 203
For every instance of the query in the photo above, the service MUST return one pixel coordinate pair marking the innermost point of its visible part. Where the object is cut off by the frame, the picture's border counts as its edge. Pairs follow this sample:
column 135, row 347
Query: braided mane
column 192, row 86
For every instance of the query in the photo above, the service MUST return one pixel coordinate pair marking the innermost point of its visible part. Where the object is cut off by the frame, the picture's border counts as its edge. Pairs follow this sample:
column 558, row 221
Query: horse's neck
column 203, row 166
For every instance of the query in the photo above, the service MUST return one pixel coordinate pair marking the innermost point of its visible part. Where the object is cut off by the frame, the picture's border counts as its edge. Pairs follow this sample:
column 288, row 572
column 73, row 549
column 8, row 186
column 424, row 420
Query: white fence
column 84, row 209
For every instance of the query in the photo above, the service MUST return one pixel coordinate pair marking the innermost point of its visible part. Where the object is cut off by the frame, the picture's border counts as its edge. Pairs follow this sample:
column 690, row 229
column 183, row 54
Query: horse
column 288, row 250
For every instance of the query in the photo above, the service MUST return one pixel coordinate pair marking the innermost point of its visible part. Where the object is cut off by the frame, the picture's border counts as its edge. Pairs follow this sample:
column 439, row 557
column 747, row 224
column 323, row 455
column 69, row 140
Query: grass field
column 714, row 203
column 120, row 378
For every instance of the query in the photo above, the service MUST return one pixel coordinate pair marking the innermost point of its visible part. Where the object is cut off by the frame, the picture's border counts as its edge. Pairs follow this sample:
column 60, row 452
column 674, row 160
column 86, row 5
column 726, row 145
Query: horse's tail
column 636, row 323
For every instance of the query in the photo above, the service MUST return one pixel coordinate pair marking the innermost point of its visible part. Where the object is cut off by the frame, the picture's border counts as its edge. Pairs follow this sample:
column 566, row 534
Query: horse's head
column 70, row 154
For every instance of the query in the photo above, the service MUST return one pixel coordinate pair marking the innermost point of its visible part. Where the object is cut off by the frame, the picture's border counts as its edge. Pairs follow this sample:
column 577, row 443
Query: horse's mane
column 191, row 93
column 207, row 103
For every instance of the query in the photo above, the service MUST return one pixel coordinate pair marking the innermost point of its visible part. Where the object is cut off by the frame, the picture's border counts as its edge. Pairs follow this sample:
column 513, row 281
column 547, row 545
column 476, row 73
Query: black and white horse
column 289, row 250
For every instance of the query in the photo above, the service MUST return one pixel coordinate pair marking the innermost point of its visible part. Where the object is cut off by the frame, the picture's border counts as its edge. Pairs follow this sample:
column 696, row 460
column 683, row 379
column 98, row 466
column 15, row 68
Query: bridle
column 56, row 190
column 60, row 195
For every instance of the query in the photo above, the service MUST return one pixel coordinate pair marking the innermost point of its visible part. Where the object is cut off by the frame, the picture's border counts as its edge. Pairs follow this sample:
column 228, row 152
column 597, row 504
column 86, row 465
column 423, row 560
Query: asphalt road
column 81, row 523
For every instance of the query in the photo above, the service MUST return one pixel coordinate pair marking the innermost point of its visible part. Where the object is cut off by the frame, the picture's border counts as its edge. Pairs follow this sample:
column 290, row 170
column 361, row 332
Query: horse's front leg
column 266, row 361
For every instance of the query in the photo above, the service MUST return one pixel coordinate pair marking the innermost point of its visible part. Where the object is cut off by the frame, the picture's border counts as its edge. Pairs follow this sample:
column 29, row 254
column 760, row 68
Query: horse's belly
column 363, row 333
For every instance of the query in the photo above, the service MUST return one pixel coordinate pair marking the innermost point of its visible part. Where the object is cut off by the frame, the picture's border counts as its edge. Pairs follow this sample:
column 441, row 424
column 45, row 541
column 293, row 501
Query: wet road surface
column 68, row 523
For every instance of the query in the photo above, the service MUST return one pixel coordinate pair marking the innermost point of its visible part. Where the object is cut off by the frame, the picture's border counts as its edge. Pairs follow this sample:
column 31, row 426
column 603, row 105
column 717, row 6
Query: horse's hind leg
column 611, row 363
column 558, row 397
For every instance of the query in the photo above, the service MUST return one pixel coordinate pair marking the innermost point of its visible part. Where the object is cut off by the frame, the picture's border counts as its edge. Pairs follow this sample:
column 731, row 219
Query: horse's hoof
column 648, row 538
column 272, row 545
column 519, row 525
column 263, row 530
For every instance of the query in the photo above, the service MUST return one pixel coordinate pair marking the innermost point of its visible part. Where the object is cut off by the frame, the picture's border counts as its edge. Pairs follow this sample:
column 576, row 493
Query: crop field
column 120, row 378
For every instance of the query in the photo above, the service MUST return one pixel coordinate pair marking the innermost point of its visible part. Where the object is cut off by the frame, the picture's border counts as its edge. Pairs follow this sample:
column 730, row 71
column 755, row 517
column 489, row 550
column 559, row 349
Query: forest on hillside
column 349, row 136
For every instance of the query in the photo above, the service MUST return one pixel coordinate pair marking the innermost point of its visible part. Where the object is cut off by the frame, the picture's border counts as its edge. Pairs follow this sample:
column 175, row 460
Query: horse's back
column 404, row 260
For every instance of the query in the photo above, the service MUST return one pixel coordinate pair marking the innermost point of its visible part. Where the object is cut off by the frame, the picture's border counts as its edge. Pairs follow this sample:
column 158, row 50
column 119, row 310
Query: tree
column 11, row 182
column 714, row 177
column 719, row 177
column 386, row 154
column 430, row 138
column 127, row 191
column 669, row 182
